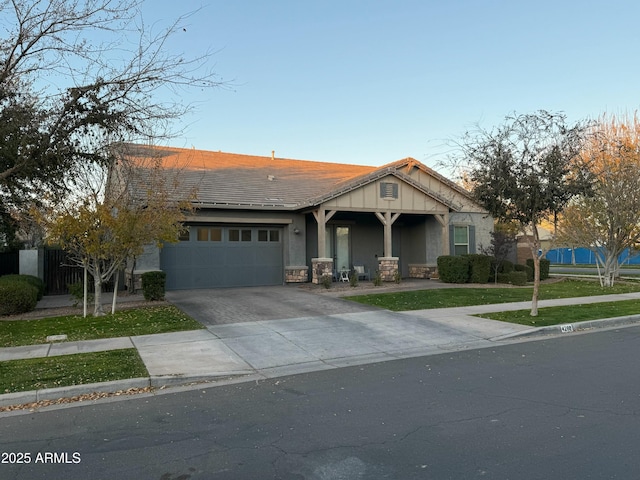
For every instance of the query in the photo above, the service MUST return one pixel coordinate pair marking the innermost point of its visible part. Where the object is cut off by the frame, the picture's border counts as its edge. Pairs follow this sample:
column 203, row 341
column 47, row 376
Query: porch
column 404, row 243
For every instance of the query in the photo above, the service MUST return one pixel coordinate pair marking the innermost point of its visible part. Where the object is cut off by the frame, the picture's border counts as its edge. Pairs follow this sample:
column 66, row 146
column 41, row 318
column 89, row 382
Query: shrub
column 17, row 297
column 506, row 266
column 76, row 290
column 29, row 279
column 377, row 279
column 526, row 269
column 453, row 269
column 513, row 278
column 479, row 268
column 397, row 277
column 325, row 281
column 544, row 267
column 353, row 279
column 153, row 284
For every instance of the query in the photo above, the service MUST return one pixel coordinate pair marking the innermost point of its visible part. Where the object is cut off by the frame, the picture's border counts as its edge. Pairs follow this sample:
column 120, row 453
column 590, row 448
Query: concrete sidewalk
column 272, row 348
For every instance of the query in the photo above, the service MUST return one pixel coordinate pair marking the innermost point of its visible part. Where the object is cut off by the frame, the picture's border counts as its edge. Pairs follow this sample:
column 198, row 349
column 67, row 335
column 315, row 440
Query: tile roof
column 248, row 180
column 234, row 180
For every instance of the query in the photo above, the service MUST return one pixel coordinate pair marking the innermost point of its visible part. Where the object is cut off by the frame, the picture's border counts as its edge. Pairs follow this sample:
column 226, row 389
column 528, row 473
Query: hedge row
column 30, row 279
column 481, row 269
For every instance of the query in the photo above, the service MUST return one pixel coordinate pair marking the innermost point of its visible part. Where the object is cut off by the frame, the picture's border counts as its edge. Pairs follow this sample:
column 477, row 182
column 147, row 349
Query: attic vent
column 388, row 190
column 271, row 178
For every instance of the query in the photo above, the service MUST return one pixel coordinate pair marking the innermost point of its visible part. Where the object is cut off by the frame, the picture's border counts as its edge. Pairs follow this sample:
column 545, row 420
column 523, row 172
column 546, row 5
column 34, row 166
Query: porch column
column 322, row 217
column 388, row 265
column 443, row 220
column 322, row 266
column 387, row 219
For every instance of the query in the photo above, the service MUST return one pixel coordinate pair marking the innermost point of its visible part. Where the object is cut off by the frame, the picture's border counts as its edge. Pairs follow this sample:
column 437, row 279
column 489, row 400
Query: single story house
column 268, row 220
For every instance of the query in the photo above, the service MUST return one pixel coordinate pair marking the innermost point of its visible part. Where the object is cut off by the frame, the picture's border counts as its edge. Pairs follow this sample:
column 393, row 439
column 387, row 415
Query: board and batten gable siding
column 369, row 197
column 446, row 191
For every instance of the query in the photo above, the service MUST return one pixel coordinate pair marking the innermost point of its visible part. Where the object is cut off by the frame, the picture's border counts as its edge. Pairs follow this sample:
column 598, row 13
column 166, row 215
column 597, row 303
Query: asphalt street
column 554, row 408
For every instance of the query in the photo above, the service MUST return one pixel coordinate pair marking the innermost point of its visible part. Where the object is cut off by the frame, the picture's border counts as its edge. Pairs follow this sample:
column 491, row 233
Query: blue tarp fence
column 584, row 256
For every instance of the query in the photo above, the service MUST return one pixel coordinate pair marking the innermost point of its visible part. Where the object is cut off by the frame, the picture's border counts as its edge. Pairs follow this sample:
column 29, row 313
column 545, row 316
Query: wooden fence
column 9, row 263
column 59, row 272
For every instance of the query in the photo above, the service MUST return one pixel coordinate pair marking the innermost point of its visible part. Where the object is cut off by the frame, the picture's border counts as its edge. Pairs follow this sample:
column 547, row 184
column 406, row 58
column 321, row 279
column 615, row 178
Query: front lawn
column 126, row 323
column 567, row 314
column 466, row 296
column 66, row 370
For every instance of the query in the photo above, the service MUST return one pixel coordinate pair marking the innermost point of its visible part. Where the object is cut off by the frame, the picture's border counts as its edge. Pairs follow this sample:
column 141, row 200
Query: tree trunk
column 98, row 311
column 85, row 291
column 533, row 241
column 536, row 285
column 610, row 269
column 115, row 293
column 132, row 282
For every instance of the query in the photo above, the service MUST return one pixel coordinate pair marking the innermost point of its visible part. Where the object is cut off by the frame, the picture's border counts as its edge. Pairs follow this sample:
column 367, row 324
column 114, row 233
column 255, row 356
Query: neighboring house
column 268, row 221
column 524, row 250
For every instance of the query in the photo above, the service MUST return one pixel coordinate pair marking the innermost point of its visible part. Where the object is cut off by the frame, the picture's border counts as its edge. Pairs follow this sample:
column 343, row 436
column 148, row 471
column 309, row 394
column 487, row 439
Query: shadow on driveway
column 250, row 304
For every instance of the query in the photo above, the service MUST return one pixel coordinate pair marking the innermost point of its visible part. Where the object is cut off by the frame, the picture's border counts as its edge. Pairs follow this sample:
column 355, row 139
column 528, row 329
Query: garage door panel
column 224, row 263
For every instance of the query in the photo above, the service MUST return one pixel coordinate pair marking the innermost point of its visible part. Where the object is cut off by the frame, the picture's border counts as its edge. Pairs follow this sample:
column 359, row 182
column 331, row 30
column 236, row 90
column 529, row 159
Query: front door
column 338, row 243
column 342, row 259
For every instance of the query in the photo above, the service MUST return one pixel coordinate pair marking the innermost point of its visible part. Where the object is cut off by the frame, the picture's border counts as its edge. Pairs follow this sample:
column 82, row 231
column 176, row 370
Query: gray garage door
column 224, row 256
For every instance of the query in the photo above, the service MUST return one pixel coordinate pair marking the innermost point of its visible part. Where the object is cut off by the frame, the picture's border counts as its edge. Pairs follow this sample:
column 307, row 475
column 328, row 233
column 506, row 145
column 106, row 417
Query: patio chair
column 361, row 272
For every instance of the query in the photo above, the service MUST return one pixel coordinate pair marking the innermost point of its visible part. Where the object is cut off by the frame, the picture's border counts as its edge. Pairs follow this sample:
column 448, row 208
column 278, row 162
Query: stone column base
column 388, row 266
column 321, row 267
column 422, row 270
column 296, row 274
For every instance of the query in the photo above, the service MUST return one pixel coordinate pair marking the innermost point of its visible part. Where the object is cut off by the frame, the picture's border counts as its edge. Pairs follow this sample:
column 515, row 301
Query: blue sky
column 371, row 82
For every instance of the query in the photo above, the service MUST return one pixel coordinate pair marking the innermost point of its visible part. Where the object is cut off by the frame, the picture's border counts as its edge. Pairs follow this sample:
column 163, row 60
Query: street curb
column 574, row 327
column 169, row 381
column 157, row 382
column 33, row 396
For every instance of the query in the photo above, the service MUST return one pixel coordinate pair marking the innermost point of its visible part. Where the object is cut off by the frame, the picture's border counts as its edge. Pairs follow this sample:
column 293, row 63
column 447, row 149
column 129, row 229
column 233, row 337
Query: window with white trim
column 461, row 240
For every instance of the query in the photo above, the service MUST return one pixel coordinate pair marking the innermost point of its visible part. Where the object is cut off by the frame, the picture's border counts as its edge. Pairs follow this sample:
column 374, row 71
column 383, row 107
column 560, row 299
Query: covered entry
column 210, row 256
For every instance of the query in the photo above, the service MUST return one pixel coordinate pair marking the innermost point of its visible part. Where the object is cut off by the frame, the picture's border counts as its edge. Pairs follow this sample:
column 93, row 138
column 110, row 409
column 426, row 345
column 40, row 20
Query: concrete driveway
column 250, row 304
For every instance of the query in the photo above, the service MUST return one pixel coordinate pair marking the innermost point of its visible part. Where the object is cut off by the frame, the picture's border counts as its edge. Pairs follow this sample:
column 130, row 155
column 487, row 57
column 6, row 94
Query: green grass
column 138, row 321
column 66, row 370
column 462, row 297
column 569, row 314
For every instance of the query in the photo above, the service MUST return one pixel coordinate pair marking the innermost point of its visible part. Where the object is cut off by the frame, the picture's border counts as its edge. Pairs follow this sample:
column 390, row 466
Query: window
column 268, row 235
column 237, row 235
column 205, row 234
column 215, row 234
column 461, row 240
column 388, row 190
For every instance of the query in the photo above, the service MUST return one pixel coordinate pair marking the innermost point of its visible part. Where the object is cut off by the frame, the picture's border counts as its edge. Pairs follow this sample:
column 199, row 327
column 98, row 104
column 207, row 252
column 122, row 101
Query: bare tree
column 608, row 222
column 60, row 86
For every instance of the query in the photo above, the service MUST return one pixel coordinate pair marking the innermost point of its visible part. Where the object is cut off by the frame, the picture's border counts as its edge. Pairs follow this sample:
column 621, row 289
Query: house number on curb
column 566, row 328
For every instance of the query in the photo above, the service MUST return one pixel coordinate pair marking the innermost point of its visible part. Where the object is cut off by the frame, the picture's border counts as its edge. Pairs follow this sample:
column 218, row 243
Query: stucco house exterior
column 268, row 220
